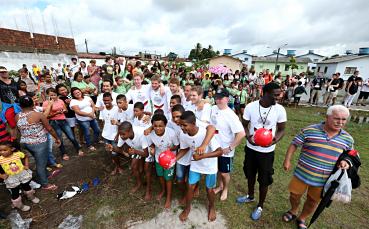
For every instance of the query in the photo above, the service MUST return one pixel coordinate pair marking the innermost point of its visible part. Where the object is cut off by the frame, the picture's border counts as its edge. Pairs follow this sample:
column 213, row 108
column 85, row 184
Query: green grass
column 353, row 215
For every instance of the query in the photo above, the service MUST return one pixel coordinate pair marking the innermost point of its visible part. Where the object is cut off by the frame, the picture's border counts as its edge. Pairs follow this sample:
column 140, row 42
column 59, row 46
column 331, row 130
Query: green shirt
column 120, row 89
column 227, row 83
column 80, row 85
column 91, row 86
column 205, row 84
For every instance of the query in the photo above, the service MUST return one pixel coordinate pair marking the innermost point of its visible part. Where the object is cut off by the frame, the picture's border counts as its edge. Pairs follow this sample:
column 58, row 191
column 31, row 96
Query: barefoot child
column 140, row 119
column 109, row 115
column 161, row 139
column 17, row 175
column 201, row 164
column 133, row 139
column 125, row 112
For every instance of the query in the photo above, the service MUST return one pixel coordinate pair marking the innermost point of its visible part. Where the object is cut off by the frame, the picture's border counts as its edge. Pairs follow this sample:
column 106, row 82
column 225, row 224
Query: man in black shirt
column 108, row 69
column 350, row 79
column 316, row 88
column 332, row 88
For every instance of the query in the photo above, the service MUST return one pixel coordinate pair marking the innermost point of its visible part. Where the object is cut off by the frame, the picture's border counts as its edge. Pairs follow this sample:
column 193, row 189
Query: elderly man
column 322, row 144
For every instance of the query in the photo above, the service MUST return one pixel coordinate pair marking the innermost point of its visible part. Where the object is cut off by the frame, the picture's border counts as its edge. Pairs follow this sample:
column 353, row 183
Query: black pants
column 15, row 191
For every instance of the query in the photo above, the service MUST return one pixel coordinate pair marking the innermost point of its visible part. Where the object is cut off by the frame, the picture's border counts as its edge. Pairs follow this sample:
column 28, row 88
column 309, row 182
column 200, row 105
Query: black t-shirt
column 70, row 113
column 353, row 88
column 9, row 92
column 334, row 82
column 351, row 78
column 318, row 83
column 108, row 70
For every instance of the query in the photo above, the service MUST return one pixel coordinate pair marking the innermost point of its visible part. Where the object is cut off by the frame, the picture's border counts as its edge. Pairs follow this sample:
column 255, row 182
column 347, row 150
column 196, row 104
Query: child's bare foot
column 224, row 195
column 167, row 204
column 212, row 215
column 182, row 201
column 148, row 196
column 136, row 188
column 217, row 190
column 184, row 215
column 160, row 195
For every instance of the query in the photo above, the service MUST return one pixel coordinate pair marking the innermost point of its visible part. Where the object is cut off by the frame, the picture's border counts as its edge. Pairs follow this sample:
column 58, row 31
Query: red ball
column 263, row 137
column 167, row 159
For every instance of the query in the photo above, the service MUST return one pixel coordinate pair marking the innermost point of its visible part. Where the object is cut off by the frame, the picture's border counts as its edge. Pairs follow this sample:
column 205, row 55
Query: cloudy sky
column 161, row 26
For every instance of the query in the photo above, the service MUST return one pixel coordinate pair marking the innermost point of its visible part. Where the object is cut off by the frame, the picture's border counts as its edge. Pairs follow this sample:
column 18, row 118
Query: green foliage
column 13, row 74
column 172, row 56
column 199, row 53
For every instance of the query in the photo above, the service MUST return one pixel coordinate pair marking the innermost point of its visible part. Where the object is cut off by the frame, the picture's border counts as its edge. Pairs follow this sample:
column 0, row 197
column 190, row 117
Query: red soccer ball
column 167, row 159
column 263, row 137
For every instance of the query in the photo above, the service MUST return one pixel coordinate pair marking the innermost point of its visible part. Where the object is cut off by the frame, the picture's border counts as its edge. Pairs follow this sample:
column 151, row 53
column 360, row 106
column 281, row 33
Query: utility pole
column 86, row 45
column 276, row 61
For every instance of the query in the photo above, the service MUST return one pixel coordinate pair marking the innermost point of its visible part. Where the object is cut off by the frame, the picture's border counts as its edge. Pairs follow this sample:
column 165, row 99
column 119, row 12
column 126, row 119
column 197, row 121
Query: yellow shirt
column 12, row 165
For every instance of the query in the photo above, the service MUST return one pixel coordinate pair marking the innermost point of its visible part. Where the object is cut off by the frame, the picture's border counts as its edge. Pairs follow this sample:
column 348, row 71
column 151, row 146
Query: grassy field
column 111, row 206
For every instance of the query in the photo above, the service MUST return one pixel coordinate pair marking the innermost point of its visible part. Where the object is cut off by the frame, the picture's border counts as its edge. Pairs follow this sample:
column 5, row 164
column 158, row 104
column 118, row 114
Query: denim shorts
column 113, row 143
column 210, row 179
column 182, row 171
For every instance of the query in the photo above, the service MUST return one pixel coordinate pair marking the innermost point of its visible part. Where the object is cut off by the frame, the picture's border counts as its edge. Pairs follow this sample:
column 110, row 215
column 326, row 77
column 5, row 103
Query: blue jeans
column 85, row 125
column 60, row 127
column 40, row 152
column 51, row 157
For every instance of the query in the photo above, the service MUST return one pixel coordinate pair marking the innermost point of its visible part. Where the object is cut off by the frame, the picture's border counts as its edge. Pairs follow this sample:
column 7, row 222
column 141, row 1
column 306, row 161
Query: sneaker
column 245, row 199
column 256, row 214
column 34, row 185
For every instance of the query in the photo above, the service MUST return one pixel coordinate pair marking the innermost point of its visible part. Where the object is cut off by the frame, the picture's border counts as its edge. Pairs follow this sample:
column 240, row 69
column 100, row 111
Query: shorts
column 242, row 105
column 136, row 156
column 259, row 163
column 166, row 173
column 71, row 121
column 113, row 143
column 296, row 99
column 333, row 94
column 14, row 181
column 225, row 164
column 182, row 171
column 363, row 95
column 210, row 179
column 298, row 187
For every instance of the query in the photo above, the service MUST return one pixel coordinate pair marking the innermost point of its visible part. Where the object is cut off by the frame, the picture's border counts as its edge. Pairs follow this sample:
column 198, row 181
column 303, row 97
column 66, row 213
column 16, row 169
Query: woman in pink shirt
column 93, row 71
column 58, row 122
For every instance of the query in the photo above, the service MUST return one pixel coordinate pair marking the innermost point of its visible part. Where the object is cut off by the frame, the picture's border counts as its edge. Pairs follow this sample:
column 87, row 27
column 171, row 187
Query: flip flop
column 65, row 157
column 54, row 173
column 50, row 187
column 288, row 217
column 300, row 224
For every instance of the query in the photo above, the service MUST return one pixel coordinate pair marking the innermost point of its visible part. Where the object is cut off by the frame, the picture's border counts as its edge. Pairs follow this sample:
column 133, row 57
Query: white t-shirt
column 228, row 124
column 158, row 100
column 140, row 95
column 100, row 102
column 187, row 105
column 126, row 115
column 277, row 114
column 139, row 141
column 141, row 123
column 203, row 166
column 162, row 143
column 202, row 115
column 109, row 131
column 177, row 129
column 84, row 105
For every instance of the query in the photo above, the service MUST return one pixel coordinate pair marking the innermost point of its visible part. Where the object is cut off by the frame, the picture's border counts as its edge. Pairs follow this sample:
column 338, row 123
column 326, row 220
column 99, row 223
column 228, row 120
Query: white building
column 315, row 58
column 346, row 65
column 244, row 57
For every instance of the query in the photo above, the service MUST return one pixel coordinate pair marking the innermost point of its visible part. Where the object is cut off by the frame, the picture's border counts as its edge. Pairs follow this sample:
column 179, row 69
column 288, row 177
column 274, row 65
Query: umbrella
column 326, row 200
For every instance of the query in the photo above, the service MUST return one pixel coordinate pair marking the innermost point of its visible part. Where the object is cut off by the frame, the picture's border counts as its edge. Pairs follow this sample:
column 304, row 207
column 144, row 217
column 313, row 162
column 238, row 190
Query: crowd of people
column 140, row 110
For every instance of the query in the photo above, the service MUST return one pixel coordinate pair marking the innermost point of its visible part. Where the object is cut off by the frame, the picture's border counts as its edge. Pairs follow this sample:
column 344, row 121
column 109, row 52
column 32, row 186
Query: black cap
column 221, row 93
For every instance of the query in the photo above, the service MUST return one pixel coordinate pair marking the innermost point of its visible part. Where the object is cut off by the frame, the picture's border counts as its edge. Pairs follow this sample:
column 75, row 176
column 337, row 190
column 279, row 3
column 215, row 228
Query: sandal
column 54, row 173
column 59, row 166
column 288, row 217
column 81, row 153
column 65, row 157
column 91, row 148
column 300, row 224
column 50, row 187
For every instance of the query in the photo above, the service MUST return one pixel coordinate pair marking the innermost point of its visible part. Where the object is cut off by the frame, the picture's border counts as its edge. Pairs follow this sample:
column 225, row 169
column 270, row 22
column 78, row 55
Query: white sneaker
column 34, row 185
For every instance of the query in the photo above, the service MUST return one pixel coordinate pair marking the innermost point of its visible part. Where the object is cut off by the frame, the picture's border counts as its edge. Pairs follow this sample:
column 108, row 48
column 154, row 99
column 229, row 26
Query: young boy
column 132, row 140
column 201, row 164
column 120, row 88
column 161, row 139
column 140, row 119
column 110, row 116
column 125, row 112
column 297, row 94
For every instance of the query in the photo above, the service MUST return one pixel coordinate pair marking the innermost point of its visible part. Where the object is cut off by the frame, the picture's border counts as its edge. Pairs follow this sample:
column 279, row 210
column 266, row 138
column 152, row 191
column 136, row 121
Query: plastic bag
column 71, row 222
column 17, row 222
column 343, row 191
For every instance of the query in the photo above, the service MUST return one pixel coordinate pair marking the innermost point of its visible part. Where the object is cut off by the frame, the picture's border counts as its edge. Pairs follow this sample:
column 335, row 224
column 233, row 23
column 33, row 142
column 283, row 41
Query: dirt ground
column 109, row 204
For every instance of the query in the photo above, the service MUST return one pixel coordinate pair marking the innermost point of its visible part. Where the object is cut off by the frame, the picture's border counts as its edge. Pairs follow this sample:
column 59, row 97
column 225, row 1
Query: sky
column 163, row 26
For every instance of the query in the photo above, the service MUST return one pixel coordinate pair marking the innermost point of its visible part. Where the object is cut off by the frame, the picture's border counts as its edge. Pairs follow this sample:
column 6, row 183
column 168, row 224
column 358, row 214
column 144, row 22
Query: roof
column 272, row 54
column 21, row 41
column 303, row 55
column 91, row 56
column 343, row 58
column 236, row 59
column 280, row 59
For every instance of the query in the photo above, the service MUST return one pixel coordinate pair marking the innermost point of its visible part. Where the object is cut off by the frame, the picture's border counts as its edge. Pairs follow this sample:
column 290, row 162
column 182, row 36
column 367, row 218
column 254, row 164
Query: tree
column 172, row 56
column 293, row 64
column 198, row 53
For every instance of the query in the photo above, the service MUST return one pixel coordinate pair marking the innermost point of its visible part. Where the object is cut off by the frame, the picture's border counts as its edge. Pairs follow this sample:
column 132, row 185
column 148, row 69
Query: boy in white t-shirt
column 110, row 130
column 140, row 119
column 201, row 164
column 160, row 140
column 230, row 135
column 125, row 112
column 132, row 140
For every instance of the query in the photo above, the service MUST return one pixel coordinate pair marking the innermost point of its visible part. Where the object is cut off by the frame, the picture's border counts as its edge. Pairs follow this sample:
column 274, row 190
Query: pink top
column 57, row 106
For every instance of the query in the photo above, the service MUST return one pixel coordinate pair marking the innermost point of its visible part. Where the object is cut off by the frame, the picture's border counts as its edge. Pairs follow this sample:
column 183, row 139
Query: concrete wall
column 242, row 56
column 260, row 66
column 362, row 64
column 14, row 60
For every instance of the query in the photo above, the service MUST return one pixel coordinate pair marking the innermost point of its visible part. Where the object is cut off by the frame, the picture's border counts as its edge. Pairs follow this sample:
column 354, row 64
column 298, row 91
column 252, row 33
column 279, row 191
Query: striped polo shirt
column 319, row 153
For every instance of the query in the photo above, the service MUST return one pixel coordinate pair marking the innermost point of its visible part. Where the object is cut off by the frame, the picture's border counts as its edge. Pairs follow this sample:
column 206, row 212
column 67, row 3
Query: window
column 246, row 59
column 325, row 69
column 315, row 60
column 286, row 67
column 319, row 69
column 350, row 70
column 277, row 67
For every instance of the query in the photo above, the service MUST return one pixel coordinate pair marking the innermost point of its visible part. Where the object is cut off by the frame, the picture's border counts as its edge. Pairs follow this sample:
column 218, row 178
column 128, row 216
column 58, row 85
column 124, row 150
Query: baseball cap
column 221, row 93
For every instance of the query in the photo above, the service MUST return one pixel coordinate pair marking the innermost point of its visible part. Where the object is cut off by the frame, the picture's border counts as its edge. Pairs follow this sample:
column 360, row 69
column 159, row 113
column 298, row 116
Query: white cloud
column 165, row 25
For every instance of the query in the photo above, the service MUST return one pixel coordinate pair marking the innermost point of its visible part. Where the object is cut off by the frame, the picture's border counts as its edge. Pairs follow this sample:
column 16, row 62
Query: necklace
column 263, row 120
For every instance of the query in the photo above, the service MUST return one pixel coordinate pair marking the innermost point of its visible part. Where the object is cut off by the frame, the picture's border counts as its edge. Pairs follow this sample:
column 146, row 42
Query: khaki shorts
column 298, row 187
